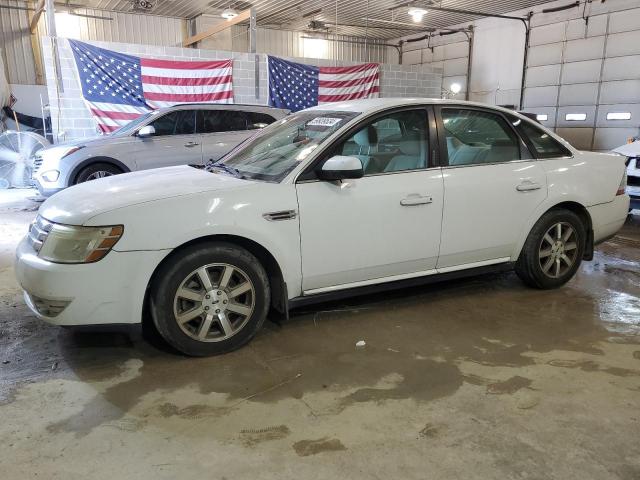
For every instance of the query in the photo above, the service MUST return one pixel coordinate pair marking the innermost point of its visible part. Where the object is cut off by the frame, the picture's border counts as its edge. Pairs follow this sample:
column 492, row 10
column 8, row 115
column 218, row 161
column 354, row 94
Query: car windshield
column 280, row 147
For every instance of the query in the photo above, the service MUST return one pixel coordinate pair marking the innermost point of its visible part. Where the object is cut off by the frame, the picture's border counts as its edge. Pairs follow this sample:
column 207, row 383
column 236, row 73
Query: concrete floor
column 479, row 378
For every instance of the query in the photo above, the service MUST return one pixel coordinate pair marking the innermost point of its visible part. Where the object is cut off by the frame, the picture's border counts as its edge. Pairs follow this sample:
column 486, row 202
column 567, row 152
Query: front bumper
column 46, row 189
column 110, row 291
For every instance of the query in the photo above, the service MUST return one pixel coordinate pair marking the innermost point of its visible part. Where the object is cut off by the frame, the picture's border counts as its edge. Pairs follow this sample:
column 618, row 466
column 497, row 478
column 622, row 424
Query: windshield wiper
column 226, row 168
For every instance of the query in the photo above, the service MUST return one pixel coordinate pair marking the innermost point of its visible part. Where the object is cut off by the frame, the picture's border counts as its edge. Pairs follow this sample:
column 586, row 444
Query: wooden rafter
column 36, row 15
column 242, row 16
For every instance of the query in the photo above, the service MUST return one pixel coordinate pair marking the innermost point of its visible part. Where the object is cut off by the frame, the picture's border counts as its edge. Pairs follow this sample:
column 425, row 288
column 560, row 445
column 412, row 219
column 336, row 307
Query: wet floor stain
column 253, row 436
column 429, row 431
column 591, row 366
column 304, row 448
column 190, row 412
column 509, row 387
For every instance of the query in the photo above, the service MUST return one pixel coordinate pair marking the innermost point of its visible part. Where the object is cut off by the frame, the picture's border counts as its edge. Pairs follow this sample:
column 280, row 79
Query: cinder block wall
column 71, row 119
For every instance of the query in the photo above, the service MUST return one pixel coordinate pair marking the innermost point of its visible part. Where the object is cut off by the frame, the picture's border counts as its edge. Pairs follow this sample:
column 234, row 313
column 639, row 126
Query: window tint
column 476, row 137
column 393, row 143
column 180, row 122
column 212, row 121
column 259, row 120
column 542, row 143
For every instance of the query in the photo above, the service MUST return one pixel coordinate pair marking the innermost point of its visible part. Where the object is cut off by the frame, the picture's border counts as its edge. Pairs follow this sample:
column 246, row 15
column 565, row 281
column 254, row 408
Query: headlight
column 70, row 244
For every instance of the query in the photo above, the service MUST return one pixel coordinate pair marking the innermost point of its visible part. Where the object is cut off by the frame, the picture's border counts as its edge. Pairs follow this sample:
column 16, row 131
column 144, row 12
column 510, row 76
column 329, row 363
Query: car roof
column 226, row 106
column 373, row 104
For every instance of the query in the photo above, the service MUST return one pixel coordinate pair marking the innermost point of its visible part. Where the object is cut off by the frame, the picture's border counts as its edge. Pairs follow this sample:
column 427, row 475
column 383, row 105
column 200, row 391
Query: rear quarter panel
column 587, row 179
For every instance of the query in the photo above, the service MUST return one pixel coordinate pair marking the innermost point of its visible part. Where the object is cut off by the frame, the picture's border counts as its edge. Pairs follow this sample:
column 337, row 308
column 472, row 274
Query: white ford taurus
column 331, row 201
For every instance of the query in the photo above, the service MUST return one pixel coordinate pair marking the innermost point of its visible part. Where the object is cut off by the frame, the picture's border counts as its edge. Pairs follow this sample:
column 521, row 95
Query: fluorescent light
column 542, row 117
column 68, row 25
column 575, row 117
column 417, row 14
column 455, row 88
column 619, row 116
column 229, row 13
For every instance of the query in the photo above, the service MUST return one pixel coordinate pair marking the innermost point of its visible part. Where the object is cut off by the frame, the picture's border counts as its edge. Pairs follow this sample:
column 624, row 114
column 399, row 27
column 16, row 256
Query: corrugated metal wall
column 290, row 44
column 18, row 53
column 130, row 28
column 15, row 44
column 579, row 73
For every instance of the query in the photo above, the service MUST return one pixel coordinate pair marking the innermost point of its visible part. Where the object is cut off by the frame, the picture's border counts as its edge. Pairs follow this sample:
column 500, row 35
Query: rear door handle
column 416, row 199
column 528, row 186
column 191, row 144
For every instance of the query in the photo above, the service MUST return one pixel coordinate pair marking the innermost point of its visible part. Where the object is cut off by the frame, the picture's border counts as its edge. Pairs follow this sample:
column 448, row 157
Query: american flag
column 117, row 88
column 296, row 86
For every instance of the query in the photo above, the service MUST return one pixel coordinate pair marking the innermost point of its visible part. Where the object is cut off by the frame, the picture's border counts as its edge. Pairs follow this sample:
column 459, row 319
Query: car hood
column 76, row 205
column 629, row 149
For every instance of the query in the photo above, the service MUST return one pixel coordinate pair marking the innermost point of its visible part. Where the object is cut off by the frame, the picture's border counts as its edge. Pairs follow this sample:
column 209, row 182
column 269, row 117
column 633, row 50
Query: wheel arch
column 573, row 206
column 279, row 297
column 100, row 159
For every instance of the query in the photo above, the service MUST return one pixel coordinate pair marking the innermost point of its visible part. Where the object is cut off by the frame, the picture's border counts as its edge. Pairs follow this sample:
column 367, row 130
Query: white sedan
column 332, row 201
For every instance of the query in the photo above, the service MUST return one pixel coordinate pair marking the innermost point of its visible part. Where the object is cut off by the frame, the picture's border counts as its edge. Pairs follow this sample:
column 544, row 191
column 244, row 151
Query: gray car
column 190, row 134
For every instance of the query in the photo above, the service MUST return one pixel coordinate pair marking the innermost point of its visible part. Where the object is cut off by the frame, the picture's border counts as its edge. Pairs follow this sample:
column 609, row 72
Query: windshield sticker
column 324, row 122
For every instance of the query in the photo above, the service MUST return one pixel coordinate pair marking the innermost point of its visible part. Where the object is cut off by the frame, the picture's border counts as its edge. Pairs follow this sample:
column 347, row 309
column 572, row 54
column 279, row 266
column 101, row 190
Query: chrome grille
column 37, row 163
column 38, row 232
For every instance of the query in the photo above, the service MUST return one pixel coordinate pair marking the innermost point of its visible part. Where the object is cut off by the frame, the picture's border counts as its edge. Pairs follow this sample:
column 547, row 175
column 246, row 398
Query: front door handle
column 528, row 186
column 416, row 199
column 191, row 144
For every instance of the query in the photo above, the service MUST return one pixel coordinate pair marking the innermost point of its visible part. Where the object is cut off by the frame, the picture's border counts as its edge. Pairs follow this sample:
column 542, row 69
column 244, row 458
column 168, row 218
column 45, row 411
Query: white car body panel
column 345, row 234
column 347, row 228
column 484, row 212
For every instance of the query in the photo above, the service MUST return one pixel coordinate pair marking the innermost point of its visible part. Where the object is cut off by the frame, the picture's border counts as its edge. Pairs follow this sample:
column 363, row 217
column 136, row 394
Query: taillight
column 623, row 184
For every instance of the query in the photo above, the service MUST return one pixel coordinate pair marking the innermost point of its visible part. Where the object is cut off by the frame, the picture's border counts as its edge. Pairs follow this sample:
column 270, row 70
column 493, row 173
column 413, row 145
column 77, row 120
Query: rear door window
column 215, row 121
column 476, row 137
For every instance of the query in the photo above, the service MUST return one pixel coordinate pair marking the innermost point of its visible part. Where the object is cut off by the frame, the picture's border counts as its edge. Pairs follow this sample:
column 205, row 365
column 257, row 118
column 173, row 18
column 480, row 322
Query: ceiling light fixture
column 417, row 13
column 455, row 88
column 229, row 13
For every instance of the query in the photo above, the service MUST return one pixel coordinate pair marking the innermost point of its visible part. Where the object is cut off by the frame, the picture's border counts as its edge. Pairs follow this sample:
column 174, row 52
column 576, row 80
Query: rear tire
column 553, row 250
column 210, row 299
column 95, row 171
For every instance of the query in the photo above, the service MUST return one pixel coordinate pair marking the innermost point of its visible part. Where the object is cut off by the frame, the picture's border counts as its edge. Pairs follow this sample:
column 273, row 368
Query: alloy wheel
column 214, row 302
column 558, row 250
column 98, row 174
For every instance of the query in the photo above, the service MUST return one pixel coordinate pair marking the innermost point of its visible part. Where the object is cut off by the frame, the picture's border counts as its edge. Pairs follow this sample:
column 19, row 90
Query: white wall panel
column 581, row 72
column 584, row 49
column 622, row 68
column 624, row 21
column 541, row 96
column 579, row 137
column 545, row 54
column 543, row 76
column 15, row 45
column 627, row 43
column 622, row 91
column 578, row 94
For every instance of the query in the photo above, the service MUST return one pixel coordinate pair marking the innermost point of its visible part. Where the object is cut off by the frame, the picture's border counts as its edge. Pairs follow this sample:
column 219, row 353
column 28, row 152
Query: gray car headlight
column 72, row 244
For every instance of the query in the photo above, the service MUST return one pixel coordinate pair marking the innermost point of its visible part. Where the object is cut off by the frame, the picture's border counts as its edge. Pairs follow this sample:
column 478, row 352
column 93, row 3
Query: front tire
column 210, row 299
column 96, row 171
column 553, row 250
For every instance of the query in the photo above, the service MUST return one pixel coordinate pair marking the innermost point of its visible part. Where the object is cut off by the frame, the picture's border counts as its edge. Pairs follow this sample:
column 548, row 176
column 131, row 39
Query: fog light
column 51, row 175
column 46, row 307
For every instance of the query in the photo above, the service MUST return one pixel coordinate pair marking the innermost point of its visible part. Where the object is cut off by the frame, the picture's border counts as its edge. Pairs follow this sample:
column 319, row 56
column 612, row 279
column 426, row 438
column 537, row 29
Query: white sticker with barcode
column 324, row 122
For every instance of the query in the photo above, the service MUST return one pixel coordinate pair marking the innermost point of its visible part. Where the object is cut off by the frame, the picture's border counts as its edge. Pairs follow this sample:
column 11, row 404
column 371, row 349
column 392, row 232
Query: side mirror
column 147, row 131
column 341, row 167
